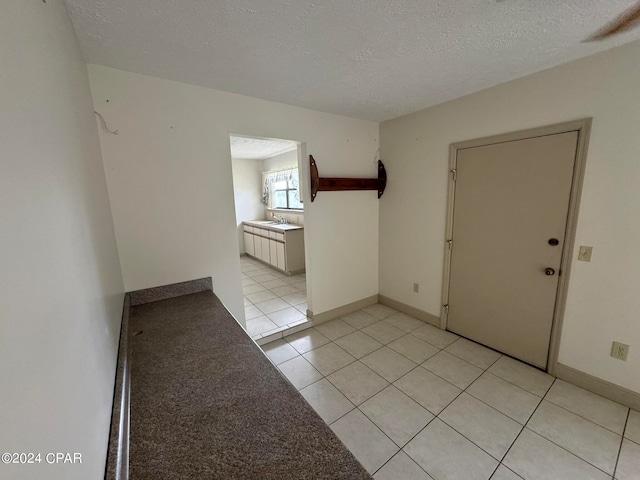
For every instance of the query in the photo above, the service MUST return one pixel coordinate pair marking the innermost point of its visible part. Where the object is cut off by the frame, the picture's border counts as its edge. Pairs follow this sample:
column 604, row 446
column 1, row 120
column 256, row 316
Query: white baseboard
column 343, row 310
column 601, row 387
column 409, row 310
column 596, row 385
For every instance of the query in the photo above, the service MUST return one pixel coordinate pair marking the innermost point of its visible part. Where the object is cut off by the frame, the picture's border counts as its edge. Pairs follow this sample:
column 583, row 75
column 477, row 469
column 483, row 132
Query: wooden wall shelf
column 342, row 184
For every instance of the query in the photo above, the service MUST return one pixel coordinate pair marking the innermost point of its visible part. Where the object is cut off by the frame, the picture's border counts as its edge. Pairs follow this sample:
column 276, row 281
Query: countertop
column 270, row 225
column 207, row 403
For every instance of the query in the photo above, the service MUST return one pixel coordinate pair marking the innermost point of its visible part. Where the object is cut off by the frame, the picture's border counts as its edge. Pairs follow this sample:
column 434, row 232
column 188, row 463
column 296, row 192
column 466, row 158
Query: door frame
column 583, row 127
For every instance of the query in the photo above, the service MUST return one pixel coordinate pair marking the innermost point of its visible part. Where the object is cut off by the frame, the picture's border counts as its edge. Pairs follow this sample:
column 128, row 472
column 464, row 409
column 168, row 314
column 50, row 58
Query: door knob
column 549, row 271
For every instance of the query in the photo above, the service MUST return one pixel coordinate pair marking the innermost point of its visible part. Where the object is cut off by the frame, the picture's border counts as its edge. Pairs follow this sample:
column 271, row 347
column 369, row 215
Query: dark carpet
column 207, row 404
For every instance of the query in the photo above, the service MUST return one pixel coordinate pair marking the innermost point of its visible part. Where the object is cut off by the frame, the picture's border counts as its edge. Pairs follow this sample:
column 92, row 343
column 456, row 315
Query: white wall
column 603, row 301
column 282, row 161
column 247, row 193
column 61, row 290
column 170, row 183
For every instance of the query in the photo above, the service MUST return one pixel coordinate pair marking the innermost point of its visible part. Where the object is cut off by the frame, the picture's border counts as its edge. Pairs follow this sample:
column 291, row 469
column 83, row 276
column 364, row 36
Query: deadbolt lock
column 553, row 242
column 549, row 271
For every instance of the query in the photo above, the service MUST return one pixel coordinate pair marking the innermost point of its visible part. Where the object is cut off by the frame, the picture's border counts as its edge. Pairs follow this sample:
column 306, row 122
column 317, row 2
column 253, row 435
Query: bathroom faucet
column 279, row 219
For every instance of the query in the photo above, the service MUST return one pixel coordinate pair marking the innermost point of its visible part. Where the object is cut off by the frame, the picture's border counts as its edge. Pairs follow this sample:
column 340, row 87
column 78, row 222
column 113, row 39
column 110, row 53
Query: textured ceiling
column 371, row 59
column 259, row 148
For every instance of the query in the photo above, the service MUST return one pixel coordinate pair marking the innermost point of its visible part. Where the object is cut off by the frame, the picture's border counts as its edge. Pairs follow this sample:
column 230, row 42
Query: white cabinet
column 294, row 251
column 265, row 249
column 273, row 252
column 281, row 249
column 257, row 246
column 248, row 244
column 280, row 257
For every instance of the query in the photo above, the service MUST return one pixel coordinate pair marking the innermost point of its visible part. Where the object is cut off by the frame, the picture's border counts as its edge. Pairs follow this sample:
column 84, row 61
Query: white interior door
column 509, row 221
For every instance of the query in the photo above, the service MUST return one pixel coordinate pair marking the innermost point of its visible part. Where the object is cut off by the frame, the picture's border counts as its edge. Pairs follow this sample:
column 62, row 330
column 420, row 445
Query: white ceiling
column 370, row 59
column 259, row 148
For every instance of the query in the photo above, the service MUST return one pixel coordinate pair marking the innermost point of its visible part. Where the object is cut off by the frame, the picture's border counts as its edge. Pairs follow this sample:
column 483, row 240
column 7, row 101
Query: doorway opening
column 512, row 216
column 270, row 225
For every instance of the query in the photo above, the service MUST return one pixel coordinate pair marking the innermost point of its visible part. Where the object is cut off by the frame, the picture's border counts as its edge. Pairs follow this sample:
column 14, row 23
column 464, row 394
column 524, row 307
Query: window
column 281, row 190
column 285, row 195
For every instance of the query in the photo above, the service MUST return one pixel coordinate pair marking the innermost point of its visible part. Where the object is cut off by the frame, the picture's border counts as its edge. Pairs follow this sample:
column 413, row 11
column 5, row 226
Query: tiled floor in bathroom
column 414, row 402
column 273, row 301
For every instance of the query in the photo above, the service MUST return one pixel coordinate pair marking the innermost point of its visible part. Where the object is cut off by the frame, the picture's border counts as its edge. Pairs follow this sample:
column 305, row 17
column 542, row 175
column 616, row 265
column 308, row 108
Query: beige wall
column 247, row 193
column 603, row 301
column 170, row 184
column 279, row 162
column 61, row 290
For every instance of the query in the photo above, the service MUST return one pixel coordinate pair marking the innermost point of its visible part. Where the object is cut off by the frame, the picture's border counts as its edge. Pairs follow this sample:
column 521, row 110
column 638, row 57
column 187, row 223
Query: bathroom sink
column 285, row 226
column 278, row 225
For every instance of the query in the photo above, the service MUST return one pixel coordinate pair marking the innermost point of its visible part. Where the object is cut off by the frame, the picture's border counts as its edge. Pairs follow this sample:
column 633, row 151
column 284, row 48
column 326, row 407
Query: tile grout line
column 513, row 384
column 368, row 398
column 277, row 297
column 358, row 360
column 503, row 465
column 364, row 333
column 500, row 355
column 569, row 452
column 557, row 445
column 314, row 368
column 373, row 421
column 588, row 419
column 499, row 460
column 435, row 416
column 626, row 422
column 409, row 456
column 357, row 407
column 524, row 426
column 521, row 388
column 453, row 400
column 420, row 364
column 494, row 408
column 566, row 450
column 491, row 406
column 456, row 431
column 383, row 345
column 345, row 366
column 344, row 414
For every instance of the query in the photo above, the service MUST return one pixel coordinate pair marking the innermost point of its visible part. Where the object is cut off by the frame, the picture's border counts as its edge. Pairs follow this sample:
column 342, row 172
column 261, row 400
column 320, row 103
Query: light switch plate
column 585, row 253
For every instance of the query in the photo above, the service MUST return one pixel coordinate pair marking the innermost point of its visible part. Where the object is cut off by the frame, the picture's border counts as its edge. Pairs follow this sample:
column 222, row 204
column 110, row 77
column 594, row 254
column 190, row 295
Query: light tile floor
column 273, row 301
column 414, row 402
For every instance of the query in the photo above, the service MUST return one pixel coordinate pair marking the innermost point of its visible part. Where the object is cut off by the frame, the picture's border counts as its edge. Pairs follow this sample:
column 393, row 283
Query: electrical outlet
column 585, row 254
column 416, row 287
column 619, row 350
